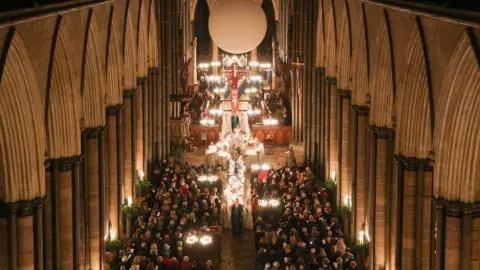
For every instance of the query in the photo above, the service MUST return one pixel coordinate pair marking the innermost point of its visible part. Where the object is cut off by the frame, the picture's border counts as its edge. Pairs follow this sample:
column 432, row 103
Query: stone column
column 78, row 224
column 93, row 166
column 314, row 123
column 120, row 166
column 146, row 102
column 113, row 158
column 343, row 124
column 380, row 202
column 318, row 121
column 128, row 181
column 24, row 232
column 359, row 145
column 253, row 58
column 139, row 124
column 414, row 184
column 214, row 56
column 334, row 142
column 63, row 182
column 381, row 170
column 455, row 236
column 151, row 120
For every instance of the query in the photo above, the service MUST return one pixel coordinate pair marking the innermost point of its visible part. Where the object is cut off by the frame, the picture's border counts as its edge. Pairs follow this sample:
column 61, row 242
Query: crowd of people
column 178, row 206
column 295, row 226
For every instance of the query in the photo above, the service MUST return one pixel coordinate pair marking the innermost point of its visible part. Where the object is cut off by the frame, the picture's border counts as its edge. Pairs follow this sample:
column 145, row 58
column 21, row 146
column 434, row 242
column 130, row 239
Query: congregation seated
column 176, row 207
column 303, row 232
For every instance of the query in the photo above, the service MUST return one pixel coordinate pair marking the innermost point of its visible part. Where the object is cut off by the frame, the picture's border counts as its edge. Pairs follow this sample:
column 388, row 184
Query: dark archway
column 202, row 13
column 265, row 47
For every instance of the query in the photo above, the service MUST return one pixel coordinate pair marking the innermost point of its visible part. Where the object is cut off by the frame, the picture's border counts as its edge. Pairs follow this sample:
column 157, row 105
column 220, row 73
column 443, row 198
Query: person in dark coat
column 237, row 218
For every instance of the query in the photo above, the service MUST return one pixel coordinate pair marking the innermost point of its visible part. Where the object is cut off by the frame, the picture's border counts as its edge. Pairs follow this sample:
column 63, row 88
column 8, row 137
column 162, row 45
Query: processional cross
column 297, row 66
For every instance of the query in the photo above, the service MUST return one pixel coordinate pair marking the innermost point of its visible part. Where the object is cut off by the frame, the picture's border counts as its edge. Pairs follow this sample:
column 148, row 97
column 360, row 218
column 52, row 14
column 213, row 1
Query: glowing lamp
column 191, row 239
column 205, row 240
column 262, row 203
column 274, row 203
column 265, row 167
column 129, row 201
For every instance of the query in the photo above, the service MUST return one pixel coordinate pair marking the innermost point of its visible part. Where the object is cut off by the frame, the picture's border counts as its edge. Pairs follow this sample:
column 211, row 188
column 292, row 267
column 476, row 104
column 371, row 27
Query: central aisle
column 237, row 253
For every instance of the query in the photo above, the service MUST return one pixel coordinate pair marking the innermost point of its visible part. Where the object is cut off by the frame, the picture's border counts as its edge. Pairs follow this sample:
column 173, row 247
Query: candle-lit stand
column 361, row 249
column 331, row 189
column 130, row 213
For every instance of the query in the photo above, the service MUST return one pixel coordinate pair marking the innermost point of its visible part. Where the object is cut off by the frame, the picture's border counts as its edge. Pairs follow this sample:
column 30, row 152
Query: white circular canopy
column 237, row 26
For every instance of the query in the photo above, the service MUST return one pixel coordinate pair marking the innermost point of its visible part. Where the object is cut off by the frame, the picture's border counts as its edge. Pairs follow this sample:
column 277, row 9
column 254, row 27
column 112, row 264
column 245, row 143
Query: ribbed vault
column 152, row 38
column 114, row 68
column 142, row 46
column 457, row 128
column 360, row 82
column 331, row 46
column 382, row 81
column 64, row 111
column 320, row 37
column 22, row 129
column 130, row 56
column 94, row 80
column 344, row 50
column 412, row 108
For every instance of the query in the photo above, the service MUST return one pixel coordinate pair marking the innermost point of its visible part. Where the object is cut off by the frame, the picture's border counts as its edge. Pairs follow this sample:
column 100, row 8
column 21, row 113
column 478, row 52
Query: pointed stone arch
column 331, row 41
column 320, row 37
column 64, row 102
column 114, row 66
column 457, row 127
column 22, row 128
column 142, row 39
column 412, row 106
column 94, row 88
column 382, row 81
column 360, row 84
column 152, row 38
column 344, row 50
column 129, row 55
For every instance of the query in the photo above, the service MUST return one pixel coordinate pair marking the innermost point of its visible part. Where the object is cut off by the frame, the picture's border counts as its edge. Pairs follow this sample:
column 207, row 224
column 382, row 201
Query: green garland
column 131, row 212
column 330, row 185
column 344, row 210
column 114, row 245
column 143, row 187
column 360, row 248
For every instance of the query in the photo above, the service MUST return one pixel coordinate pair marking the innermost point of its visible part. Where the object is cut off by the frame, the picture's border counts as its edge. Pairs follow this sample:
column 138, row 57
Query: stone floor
column 237, row 253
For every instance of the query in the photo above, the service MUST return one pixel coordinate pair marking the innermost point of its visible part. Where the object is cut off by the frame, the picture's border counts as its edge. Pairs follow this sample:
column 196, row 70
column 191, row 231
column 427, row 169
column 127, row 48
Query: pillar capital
column 128, row 93
column 113, row 109
column 321, row 70
column 344, row 93
column 360, row 110
column 66, row 164
column 413, row 163
column 458, row 209
column 21, row 208
column 382, row 132
column 152, row 70
column 333, row 80
column 140, row 80
column 95, row 132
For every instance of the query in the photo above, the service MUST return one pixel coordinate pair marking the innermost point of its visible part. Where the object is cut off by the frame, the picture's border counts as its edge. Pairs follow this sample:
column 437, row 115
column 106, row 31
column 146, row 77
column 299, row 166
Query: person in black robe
column 237, row 218
column 235, row 121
